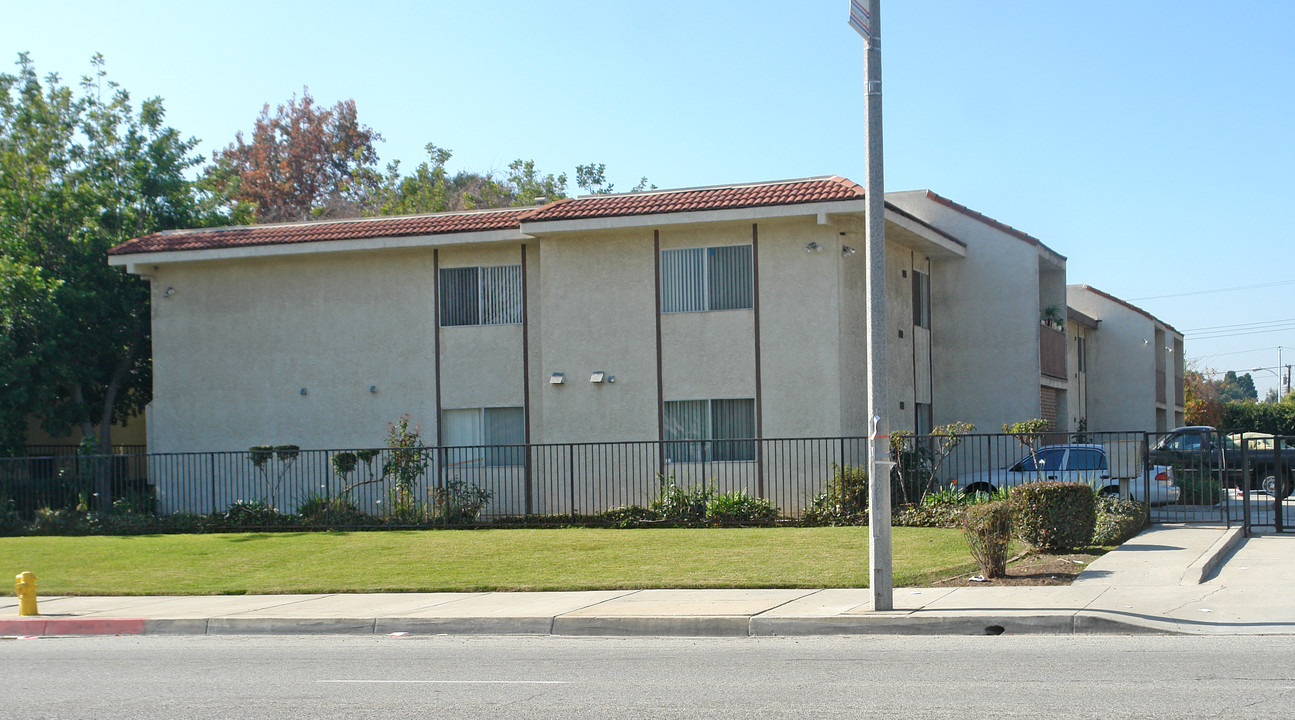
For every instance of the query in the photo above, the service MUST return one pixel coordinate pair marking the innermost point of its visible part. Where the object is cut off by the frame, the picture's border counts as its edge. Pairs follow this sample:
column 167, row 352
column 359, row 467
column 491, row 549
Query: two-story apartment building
column 1128, row 364
column 702, row 314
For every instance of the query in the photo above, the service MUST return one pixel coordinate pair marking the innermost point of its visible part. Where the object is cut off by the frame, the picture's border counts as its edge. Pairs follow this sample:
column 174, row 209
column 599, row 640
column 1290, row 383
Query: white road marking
column 456, row 682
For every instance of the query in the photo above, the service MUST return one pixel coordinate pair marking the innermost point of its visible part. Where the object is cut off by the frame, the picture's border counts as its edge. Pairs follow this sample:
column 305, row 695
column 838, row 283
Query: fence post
column 1245, row 485
column 211, row 456
column 1146, row 474
column 571, row 475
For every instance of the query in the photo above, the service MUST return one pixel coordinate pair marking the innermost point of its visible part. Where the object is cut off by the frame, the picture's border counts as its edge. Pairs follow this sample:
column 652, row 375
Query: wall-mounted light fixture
column 168, row 292
column 557, row 378
column 373, row 389
column 598, row 376
column 847, row 251
column 303, row 391
column 812, row 247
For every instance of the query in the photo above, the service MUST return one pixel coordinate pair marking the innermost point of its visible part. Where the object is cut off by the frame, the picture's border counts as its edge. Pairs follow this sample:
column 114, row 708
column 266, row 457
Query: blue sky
column 1149, row 142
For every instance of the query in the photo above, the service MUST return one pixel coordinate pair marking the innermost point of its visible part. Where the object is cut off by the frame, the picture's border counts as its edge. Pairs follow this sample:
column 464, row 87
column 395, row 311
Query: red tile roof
column 788, row 192
column 351, row 229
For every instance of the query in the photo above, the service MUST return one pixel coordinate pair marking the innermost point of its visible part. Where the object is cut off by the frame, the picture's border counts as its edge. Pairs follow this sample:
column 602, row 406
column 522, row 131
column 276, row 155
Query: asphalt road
column 547, row 677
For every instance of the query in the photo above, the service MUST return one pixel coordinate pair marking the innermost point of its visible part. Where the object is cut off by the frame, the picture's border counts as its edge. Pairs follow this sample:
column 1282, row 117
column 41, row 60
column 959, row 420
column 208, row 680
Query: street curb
column 37, row 625
column 1082, row 622
column 1207, row 563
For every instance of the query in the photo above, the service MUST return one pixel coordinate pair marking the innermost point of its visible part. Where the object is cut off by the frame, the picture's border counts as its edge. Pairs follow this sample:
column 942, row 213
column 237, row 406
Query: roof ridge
column 1128, row 305
column 724, row 186
column 346, row 221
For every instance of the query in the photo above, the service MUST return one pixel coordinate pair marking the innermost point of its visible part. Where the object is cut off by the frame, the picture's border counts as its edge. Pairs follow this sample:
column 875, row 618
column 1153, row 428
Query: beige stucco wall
column 597, row 311
column 1121, row 365
column 984, row 320
column 706, row 355
column 237, row 341
column 1077, row 383
column 481, row 365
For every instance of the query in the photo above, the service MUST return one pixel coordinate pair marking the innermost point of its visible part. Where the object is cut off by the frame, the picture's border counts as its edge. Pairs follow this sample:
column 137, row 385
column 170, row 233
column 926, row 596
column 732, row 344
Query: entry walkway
column 1170, row 579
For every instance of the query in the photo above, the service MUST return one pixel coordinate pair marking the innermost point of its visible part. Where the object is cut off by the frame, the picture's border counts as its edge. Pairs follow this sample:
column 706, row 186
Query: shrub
column 629, row 517
column 1118, row 519
column 936, row 515
column 58, row 521
column 253, row 515
column 1197, row 488
column 845, row 499
column 320, row 510
column 459, row 503
column 738, row 507
column 1053, row 515
column 988, row 529
column 682, row 504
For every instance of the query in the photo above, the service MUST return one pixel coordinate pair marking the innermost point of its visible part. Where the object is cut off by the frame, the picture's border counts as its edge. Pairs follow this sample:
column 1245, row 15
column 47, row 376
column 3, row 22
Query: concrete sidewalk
column 1170, row 579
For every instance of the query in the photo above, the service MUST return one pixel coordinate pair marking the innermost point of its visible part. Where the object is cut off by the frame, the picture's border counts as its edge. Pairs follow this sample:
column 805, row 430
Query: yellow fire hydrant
column 25, row 589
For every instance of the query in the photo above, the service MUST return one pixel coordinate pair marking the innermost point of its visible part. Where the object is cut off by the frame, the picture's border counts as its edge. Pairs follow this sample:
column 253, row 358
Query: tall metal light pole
column 866, row 19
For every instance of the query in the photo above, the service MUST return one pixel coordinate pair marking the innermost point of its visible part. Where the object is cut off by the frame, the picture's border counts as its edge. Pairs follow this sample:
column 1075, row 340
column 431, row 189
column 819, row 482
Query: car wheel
column 1110, row 490
column 1269, row 486
column 974, row 488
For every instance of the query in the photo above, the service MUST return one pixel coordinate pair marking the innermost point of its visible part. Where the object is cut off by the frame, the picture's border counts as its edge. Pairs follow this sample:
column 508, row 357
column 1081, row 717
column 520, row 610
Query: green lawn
column 475, row 560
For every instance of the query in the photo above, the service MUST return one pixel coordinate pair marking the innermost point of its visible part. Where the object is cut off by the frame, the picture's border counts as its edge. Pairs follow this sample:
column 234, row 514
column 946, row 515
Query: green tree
column 1237, row 388
column 81, row 172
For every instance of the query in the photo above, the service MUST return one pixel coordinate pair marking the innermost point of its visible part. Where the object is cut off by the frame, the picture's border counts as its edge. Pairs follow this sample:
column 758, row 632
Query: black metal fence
column 466, row 485
column 1267, row 478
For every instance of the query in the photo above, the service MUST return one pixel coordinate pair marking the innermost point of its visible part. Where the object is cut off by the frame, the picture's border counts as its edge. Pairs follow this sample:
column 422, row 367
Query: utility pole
column 866, row 19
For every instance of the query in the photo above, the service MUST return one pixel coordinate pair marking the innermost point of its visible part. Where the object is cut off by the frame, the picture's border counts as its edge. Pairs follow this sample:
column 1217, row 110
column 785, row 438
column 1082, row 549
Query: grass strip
column 476, row 560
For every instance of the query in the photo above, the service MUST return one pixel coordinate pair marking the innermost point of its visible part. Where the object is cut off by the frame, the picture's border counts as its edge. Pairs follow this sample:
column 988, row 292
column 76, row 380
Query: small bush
column 58, row 521
column 1197, row 488
column 1118, row 519
column 738, row 507
column 254, row 515
column 629, row 517
column 459, row 502
column 943, row 515
column 1054, row 516
column 320, row 510
column 682, row 504
column 844, row 501
column 988, row 529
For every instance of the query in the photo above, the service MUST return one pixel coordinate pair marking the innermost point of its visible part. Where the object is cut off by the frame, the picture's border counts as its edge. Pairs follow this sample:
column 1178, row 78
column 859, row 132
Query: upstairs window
column 921, row 300
column 481, row 295
column 710, row 430
column 709, row 278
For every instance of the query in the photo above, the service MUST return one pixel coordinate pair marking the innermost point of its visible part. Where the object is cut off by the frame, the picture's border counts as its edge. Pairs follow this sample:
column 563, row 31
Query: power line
column 1240, row 325
column 1219, row 290
column 1213, row 336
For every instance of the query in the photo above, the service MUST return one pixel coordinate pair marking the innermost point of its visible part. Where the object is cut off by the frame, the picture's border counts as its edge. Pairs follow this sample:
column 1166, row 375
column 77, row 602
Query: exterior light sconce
column 373, row 389
column 168, row 292
column 557, row 378
column 303, row 391
column 598, row 376
column 812, row 247
column 847, row 251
